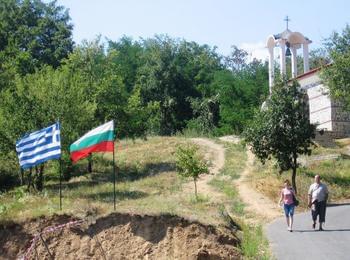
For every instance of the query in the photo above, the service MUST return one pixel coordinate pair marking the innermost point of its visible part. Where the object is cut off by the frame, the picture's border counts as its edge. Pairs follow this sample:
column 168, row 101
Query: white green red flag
column 100, row 139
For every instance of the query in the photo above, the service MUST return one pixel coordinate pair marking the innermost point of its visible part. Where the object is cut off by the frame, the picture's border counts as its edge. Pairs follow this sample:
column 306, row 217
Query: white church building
column 325, row 112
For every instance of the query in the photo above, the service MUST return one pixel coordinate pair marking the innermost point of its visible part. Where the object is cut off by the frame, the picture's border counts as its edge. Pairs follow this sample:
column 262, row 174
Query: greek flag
column 39, row 146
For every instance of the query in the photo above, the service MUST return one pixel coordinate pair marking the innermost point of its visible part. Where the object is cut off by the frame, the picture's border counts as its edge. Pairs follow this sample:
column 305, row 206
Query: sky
column 220, row 23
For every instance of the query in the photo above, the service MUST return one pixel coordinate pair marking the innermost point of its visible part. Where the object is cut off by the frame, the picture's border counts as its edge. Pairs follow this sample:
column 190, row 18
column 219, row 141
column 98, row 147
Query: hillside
column 157, row 213
column 331, row 163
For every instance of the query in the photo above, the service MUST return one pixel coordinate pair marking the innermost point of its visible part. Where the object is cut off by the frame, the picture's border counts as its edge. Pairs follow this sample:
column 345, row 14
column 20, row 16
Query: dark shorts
column 288, row 209
column 319, row 210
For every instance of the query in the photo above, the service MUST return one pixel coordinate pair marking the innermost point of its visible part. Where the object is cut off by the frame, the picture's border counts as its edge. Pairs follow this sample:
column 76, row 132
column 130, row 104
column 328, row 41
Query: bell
column 288, row 53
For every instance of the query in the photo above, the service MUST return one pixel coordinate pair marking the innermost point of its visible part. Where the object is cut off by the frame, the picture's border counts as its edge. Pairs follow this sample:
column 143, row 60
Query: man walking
column 317, row 201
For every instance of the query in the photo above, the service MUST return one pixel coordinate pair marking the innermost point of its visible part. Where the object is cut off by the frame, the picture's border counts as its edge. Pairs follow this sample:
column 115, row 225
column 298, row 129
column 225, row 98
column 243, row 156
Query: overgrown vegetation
column 334, row 172
column 254, row 244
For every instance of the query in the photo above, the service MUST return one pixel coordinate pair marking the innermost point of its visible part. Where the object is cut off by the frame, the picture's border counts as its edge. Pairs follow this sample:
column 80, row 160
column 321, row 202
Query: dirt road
column 215, row 154
column 255, row 202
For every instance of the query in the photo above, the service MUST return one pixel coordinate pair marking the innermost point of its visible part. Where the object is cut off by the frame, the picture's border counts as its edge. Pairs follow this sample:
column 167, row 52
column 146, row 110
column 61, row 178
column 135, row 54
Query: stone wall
column 327, row 113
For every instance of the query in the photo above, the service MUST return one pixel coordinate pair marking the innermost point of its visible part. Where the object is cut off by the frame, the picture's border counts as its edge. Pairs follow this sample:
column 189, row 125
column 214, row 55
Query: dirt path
column 255, row 202
column 215, row 154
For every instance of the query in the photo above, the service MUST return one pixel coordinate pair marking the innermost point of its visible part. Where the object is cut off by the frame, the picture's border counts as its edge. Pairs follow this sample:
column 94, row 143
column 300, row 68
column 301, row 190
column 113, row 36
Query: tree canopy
column 159, row 86
column 281, row 130
column 32, row 34
column 337, row 75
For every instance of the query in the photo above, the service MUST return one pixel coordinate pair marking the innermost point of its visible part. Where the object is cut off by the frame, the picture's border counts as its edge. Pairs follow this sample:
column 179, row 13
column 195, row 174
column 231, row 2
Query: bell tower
column 288, row 43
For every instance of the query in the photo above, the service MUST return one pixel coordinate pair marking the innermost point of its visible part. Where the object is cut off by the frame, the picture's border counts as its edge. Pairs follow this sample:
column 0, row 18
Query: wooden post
column 47, row 248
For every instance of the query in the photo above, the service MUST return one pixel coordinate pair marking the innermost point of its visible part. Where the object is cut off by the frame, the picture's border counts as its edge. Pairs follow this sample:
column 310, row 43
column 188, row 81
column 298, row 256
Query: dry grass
column 343, row 142
column 234, row 164
column 254, row 244
column 335, row 173
column 147, row 183
column 341, row 147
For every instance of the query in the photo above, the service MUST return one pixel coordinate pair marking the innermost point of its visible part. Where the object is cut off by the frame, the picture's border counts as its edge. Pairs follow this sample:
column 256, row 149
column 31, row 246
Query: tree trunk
column 195, row 188
column 90, row 163
column 294, row 173
column 29, row 179
column 22, row 177
column 39, row 181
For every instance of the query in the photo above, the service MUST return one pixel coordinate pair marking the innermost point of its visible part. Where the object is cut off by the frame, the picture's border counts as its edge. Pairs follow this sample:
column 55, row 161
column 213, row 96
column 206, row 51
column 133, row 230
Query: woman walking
column 287, row 196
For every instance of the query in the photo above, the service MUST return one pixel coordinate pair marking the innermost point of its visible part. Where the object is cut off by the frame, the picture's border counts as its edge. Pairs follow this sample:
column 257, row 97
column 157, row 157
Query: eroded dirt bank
column 119, row 236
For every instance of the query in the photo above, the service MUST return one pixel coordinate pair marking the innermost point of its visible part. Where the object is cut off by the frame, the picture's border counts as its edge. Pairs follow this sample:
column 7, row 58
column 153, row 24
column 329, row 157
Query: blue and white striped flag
column 39, row 146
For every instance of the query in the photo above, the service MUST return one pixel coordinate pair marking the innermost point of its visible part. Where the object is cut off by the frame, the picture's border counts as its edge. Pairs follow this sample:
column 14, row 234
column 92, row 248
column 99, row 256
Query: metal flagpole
column 60, row 184
column 59, row 125
column 114, row 174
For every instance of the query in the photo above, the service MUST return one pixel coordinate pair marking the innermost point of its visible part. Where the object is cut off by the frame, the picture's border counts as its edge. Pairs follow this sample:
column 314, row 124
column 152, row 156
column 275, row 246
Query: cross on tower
column 287, row 20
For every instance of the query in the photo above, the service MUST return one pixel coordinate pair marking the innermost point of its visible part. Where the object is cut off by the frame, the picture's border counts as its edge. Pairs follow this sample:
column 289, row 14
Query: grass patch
column 228, row 188
column 236, row 158
column 335, row 173
column 341, row 147
column 343, row 142
column 254, row 244
column 147, row 183
column 234, row 164
column 199, row 199
column 146, row 173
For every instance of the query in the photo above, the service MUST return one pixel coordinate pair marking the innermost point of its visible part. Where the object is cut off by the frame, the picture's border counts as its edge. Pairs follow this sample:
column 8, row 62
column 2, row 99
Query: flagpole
column 114, row 174
column 59, row 126
column 60, row 184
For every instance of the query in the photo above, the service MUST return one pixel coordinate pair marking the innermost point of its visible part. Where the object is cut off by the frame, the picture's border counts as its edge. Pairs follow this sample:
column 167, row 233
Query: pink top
column 287, row 196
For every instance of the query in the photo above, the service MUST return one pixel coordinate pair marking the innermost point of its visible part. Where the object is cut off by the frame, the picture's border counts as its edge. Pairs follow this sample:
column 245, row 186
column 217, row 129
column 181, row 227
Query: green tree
column 337, row 75
column 282, row 129
column 240, row 93
column 236, row 60
column 190, row 164
column 34, row 33
column 139, row 116
column 173, row 71
column 38, row 100
column 128, row 58
column 104, row 83
column 206, row 115
column 319, row 58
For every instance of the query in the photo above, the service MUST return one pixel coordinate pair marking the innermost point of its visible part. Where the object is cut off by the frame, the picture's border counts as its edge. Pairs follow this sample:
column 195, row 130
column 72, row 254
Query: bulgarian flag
column 100, row 139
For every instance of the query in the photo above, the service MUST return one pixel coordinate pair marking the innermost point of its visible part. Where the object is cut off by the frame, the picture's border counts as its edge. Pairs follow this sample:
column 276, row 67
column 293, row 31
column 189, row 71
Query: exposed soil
column 120, row 236
column 255, row 202
column 215, row 154
column 126, row 236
